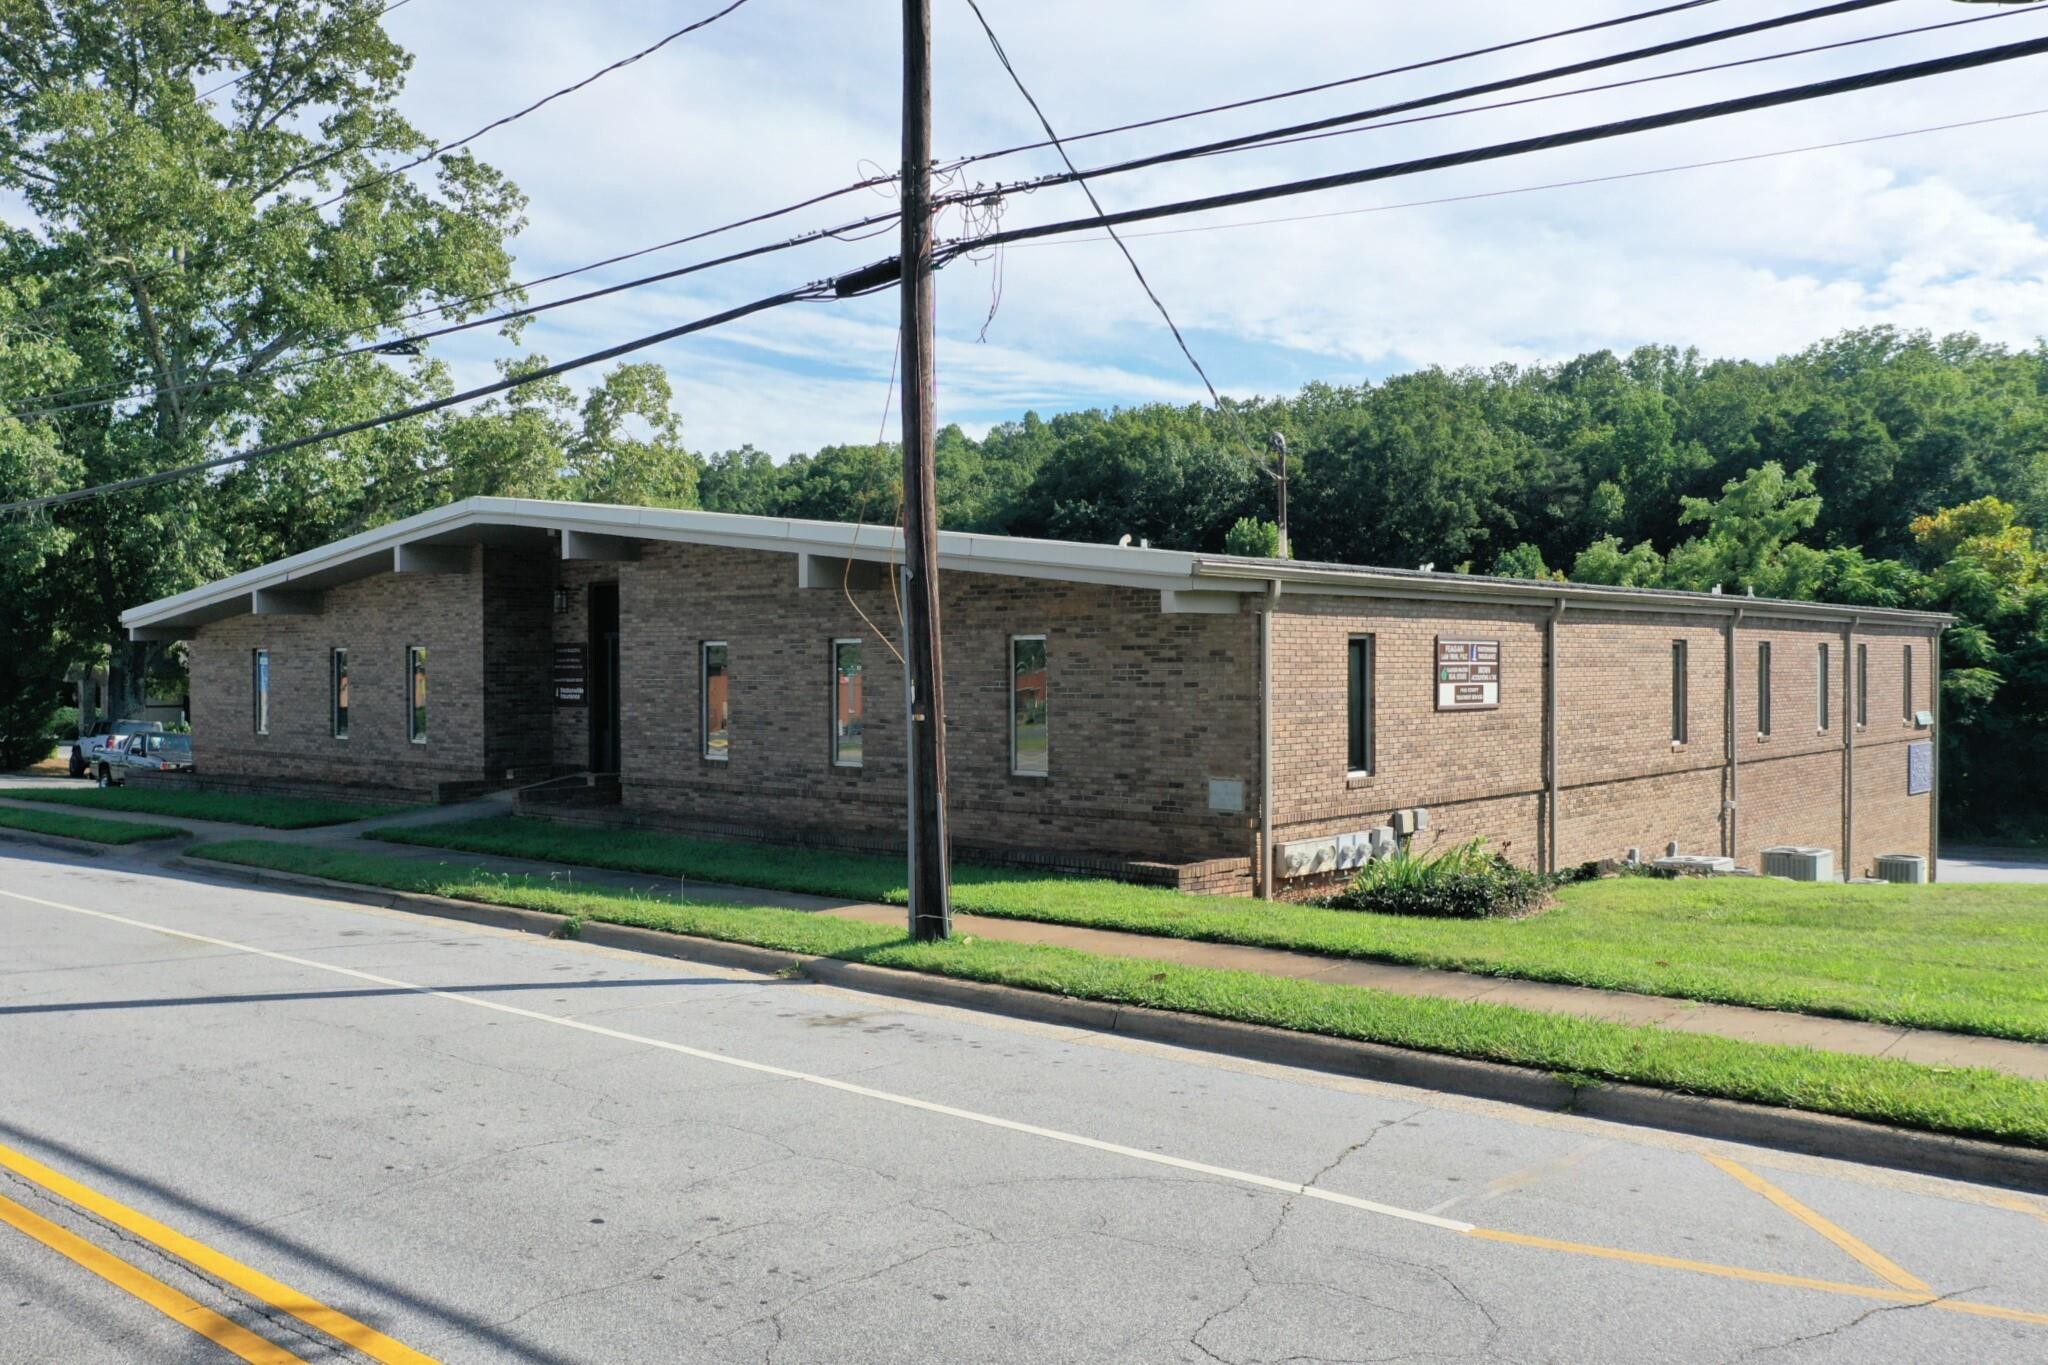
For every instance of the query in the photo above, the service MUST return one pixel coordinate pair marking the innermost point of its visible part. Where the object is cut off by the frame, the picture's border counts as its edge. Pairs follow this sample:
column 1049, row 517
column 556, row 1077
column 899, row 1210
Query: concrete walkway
column 1739, row 1022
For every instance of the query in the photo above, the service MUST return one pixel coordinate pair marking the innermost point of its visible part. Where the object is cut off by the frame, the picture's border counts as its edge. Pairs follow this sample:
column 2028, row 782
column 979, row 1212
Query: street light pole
column 931, row 911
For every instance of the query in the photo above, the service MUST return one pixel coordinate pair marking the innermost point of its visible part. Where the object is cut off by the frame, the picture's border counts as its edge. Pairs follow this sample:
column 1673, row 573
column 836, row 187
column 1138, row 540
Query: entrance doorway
column 604, row 677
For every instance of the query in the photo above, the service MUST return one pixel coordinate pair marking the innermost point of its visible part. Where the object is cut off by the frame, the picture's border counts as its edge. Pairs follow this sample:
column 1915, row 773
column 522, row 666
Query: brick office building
column 1110, row 708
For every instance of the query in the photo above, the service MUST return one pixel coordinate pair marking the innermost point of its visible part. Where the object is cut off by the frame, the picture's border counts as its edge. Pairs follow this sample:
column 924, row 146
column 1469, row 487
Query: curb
column 67, row 845
column 1824, row 1135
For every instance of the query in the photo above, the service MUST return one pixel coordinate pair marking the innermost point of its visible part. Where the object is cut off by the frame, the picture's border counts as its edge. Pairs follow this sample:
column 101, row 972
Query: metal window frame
column 416, row 667
column 704, row 648
column 1906, row 690
column 833, row 718
column 1361, row 704
column 1823, row 714
column 1681, row 692
column 1862, row 686
column 1763, row 688
column 337, row 671
column 259, row 689
column 1010, row 687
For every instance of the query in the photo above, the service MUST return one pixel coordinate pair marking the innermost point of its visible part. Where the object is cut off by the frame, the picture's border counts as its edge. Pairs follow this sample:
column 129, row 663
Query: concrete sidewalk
column 1743, row 1023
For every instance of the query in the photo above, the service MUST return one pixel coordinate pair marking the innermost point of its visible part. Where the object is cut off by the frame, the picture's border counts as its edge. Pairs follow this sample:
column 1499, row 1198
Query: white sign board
column 1467, row 675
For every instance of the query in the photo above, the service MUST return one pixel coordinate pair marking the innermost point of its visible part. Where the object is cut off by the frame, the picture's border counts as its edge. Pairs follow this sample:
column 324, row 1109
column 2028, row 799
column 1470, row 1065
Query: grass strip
column 85, row 827
column 1969, row 1102
column 1962, row 959
column 270, row 812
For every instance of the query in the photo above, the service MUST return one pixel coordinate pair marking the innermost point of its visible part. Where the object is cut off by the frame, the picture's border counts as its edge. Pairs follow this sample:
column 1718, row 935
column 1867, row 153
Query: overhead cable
column 1867, row 80
column 1347, row 80
column 807, row 292
column 1045, row 123
column 1827, row 11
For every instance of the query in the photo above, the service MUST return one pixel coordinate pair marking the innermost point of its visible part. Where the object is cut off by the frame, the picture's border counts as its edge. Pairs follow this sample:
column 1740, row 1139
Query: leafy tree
column 1253, row 539
column 194, row 245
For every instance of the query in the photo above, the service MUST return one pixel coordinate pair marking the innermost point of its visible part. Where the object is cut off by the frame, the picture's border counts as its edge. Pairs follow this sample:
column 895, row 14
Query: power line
column 804, row 294
column 1079, row 179
column 390, row 344
column 230, row 84
column 1283, row 141
column 449, row 307
column 1295, row 131
column 1558, row 184
column 1348, row 80
column 1498, row 151
column 441, row 149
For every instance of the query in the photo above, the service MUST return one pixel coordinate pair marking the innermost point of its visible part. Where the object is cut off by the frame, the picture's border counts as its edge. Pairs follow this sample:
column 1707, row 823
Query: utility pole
column 931, row 899
column 1279, row 476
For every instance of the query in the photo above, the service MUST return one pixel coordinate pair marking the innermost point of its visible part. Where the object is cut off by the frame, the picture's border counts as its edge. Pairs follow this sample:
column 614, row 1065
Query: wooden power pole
column 931, row 898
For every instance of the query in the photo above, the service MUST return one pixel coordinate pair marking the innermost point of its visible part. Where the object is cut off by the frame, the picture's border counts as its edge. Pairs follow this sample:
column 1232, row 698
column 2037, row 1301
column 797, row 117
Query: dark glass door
column 604, row 679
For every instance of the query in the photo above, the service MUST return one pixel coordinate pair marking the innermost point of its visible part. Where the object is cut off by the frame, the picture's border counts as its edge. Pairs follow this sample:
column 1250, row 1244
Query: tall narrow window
column 1359, row 705
column 338, row 691
column 416, row 693
column 1678, row 691
column 716, row 715
column 1821, row 690
column 1862, row 686
column 1906, row 691
column 1030, row 702
column 848, row 703
column 259, row 689
column 1763, row 687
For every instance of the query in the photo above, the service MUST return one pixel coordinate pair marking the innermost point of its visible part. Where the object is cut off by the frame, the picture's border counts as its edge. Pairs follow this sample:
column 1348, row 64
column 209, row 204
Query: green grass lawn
column 271, row 812
column 86, row 827
column 1970, row 959
column 1969, row 1102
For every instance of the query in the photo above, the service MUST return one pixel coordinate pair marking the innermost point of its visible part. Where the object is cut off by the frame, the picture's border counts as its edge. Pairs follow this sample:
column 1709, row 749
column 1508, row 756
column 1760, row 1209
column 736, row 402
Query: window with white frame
column 1822, row 691
column 1030, row 707
column 1680, row 690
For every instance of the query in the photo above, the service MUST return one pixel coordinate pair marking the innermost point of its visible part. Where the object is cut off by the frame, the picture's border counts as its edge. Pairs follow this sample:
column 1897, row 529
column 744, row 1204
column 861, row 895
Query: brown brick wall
column 376, row 620
column 1145, row 708
column 1623, row 782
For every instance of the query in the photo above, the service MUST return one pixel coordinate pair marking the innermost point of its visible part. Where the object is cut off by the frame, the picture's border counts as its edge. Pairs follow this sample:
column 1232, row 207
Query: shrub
column 64, row 725
column 1465, row 882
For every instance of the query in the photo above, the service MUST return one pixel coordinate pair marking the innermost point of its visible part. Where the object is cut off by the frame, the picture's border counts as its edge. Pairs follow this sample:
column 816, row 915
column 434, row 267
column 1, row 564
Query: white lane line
column 1264, row 1182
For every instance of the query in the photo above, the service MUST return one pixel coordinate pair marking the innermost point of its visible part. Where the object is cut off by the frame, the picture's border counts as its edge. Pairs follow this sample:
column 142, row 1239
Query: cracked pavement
column 485, row 1186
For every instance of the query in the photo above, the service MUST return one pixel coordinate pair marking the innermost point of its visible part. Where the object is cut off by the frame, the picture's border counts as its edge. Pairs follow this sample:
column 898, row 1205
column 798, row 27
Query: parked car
column 92, row 741
column 151, row 751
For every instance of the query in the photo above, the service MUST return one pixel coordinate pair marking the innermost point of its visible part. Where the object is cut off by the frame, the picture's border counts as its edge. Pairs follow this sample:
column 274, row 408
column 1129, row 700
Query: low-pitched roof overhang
column 1185, row 582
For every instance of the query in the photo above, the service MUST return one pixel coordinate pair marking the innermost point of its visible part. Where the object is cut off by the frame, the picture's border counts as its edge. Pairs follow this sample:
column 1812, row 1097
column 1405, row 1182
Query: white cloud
column 1947, row 231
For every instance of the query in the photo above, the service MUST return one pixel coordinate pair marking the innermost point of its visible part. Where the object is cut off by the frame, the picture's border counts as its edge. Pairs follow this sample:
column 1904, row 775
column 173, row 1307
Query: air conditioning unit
column 1801, row 864
column 1908, row 869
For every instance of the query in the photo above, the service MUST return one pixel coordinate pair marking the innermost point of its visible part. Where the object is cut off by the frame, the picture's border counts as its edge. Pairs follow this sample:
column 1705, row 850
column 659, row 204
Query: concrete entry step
column 577, row 790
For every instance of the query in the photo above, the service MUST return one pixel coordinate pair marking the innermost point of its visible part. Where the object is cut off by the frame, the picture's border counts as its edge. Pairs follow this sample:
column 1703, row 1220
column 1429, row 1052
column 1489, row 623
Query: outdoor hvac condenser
column 1907, row 868
column 1799, row 863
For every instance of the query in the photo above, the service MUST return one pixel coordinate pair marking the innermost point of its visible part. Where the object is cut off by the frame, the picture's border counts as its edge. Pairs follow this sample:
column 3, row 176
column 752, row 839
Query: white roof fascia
column 959, row 552
column 1366, row 582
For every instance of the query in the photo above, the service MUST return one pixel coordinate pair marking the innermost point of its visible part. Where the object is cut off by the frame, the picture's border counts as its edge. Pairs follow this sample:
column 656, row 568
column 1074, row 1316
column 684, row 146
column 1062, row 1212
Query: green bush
column 1465, row 882
column 64, row 725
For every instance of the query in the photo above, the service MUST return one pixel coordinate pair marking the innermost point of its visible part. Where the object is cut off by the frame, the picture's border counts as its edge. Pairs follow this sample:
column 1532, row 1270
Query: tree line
column 201, row 246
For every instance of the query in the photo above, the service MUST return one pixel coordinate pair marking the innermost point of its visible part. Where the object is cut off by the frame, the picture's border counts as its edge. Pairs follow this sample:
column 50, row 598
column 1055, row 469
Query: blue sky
column 784, row 98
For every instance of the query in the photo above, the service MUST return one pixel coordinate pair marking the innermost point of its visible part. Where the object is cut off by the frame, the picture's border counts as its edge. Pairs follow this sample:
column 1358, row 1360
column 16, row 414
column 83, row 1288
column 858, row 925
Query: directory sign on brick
column 1467, row 675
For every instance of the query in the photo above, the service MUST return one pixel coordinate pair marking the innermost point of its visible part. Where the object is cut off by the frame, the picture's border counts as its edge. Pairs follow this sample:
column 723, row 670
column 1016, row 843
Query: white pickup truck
column 92, row 741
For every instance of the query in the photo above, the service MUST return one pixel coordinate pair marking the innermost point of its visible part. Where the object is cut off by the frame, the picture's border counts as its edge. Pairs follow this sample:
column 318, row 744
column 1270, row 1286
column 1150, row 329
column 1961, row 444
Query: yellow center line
column 283, row 1297
column 2018, row 1205
column 180, row 1308
column 1874, row 1260
column 1923, row 1296
column 1733, row 1272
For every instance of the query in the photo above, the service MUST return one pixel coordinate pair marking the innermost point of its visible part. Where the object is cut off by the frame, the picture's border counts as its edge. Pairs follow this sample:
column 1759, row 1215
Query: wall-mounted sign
column 572, row 675
column 1919, row 768
column 1467, row 675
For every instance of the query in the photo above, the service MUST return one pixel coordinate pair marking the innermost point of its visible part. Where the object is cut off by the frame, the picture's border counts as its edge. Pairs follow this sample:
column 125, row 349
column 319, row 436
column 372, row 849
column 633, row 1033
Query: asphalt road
column 476, row 1146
